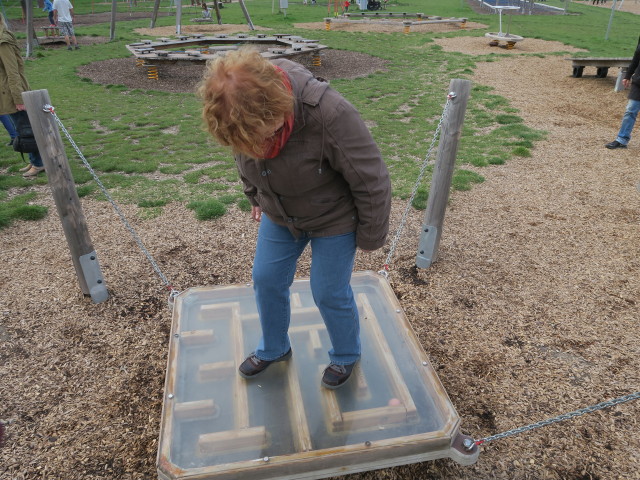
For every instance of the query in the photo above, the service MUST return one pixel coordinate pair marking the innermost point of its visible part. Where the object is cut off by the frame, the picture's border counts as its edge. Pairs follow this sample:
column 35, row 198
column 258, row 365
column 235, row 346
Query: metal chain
column 559, row 418
column 136, row 237
column 425, row 163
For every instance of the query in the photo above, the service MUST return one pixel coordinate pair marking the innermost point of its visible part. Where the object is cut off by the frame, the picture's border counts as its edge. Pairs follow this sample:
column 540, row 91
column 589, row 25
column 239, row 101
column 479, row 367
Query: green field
column 120, row 131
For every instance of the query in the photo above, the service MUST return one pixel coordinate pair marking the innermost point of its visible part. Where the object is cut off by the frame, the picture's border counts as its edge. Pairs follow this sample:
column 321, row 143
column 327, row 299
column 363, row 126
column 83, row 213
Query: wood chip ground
column 531, row 310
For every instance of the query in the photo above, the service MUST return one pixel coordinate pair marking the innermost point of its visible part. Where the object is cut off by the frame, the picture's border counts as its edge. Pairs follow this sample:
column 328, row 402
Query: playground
column 530, row 311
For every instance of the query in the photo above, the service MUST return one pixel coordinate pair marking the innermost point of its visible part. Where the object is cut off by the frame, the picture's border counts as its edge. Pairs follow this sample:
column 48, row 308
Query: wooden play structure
column 200, row 48
column 400, row 19
column 51, row 34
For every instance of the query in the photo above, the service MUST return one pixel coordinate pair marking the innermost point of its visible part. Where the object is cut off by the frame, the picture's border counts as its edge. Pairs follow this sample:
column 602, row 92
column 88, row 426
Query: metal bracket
column 93, row 276
column 460, row 451
column 426, row 246
column 621, row 74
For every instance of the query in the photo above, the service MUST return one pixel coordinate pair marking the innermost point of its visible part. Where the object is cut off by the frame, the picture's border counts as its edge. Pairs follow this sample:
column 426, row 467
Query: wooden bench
column 602, row 65
column 51, row 32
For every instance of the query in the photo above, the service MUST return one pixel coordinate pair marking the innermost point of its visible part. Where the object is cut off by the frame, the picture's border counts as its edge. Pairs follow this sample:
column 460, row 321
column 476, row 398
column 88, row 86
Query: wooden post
column 246, row 15
column 442, row 174
column 112, row 29
column 32, row 39
column 217, row 8
column 65, row 196
column 154, row 15
column 178, row 17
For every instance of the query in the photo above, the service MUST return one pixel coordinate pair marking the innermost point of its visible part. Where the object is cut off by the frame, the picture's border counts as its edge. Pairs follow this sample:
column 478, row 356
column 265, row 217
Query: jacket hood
column 306, row 87
column 6, row 36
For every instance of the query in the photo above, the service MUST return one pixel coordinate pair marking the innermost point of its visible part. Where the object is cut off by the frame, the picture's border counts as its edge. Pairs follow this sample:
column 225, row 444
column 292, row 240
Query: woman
column 12, row 84
column 313, row 175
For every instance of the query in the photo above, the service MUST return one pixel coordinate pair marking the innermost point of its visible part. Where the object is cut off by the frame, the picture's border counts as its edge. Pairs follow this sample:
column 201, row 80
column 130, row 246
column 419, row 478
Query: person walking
column 314, row 176
column 48, row 7
column 63, row 18
column 631, row 79
column 13, row 83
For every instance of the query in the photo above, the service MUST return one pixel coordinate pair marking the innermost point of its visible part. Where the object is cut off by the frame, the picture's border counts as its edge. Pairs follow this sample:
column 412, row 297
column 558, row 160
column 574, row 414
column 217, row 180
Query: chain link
column 423, row 169
column 560, row 418
column 136, row 237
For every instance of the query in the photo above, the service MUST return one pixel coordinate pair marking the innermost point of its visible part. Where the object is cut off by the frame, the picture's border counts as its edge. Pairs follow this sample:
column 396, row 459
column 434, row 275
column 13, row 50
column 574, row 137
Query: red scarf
column 274, row 144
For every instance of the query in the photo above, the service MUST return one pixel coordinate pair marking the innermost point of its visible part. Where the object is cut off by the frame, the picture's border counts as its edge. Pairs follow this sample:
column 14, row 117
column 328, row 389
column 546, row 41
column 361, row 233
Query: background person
column 206, row 13
column 310, row 165
column 48, row 7
column 12, row 75
column 63, row 18
column 631, row 79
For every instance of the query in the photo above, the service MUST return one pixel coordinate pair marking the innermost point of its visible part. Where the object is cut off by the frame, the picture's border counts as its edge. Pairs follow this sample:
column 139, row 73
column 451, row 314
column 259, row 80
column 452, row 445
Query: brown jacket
column 12, row 79
column 329, row 178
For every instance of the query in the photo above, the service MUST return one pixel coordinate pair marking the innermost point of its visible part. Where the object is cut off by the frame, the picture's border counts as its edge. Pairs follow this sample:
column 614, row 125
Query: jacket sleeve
column 633, row 67
column 249, row 189
column 12, row 68
column 354, row 154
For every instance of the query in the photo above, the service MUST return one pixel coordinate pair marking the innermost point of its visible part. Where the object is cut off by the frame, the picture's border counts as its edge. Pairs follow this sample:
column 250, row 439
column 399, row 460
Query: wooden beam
column 63, row 190
column 443, row 173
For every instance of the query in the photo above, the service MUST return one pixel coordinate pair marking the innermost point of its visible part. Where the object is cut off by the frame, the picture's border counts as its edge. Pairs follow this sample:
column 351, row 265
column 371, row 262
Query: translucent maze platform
column 283, row 424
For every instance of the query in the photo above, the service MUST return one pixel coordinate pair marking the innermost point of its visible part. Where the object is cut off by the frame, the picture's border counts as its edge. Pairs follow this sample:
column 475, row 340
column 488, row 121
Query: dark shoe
column 335, row 376
column 69, row 47
column 77, row 47
column 253, row 366
column 615, row 144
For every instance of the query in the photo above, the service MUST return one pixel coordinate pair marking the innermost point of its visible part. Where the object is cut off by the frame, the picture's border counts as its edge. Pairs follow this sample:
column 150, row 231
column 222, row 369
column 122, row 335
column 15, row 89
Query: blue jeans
column 628, row 121
column 274, row 267
column 8, row 124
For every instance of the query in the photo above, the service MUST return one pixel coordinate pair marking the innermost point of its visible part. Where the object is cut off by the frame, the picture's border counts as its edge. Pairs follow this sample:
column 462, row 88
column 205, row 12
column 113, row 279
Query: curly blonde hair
column 242, row 95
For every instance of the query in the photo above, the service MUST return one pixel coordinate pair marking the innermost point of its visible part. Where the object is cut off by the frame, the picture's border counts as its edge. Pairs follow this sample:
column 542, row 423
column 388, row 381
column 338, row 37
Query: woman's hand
column 20, row 107
column 256, row 213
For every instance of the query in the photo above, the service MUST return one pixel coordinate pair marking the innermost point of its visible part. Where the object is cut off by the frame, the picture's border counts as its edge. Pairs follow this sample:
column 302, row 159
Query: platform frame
column 307, row 462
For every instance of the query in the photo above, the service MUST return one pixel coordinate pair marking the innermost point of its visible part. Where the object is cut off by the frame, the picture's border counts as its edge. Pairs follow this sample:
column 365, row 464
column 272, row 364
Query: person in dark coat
column 12, row 84
column 631, row 79
column 314, row 176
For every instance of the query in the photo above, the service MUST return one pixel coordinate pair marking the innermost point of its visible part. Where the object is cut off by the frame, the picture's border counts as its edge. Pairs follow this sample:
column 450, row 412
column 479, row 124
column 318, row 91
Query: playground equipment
column 401, row 19
column 509, row 39
column 217, row 5
column 217, row 425
column 200, row 48
column 602, row 66
column 399, row 414
column 51, row 35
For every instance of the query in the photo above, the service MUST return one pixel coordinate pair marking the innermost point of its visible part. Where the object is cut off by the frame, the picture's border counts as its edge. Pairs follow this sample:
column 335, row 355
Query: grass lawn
column 149, row 147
